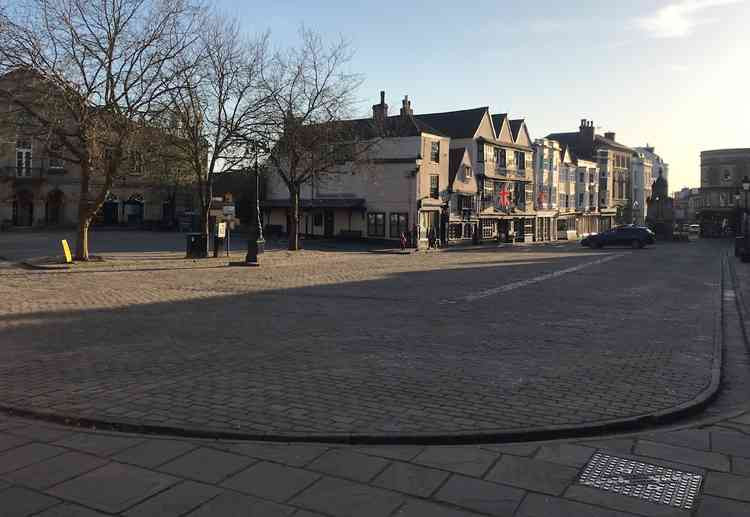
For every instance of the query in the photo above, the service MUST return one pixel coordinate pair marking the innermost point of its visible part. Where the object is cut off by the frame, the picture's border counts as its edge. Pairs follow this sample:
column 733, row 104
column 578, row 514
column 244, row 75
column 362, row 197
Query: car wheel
column 636, row 244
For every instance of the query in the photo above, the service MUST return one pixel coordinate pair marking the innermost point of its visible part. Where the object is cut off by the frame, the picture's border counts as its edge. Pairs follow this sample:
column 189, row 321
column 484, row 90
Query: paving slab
column 480, row 496
column 468, row 460
column 416, row 508
column 25, row 455
column 716, row 506
column 348, row 464
column 411, row 479
column 530, row 474
column 153, row 453
column 565, row 454
column 538, row 505
column 21, row 502
column 621, row 503
column 104, row 445
column 709, row 460
column 55, row 470
column 9, row 441
column 175, row 501
column 727, row 485
column 69, row 510
column 113, row 488
column 271, row 481
column 295, row 455
column 692, row 438
column 342, row 498
column 736, row 444
column 232, row 503
column 207, row 465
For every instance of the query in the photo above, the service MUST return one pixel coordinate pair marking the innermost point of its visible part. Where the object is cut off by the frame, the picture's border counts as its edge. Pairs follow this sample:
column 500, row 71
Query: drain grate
column 642, row 480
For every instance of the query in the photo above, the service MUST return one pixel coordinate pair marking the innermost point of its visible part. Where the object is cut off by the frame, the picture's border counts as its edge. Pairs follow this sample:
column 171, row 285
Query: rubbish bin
column 195, row 245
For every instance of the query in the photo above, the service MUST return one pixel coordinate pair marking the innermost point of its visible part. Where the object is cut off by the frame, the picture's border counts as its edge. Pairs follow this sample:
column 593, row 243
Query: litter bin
column 195, row 245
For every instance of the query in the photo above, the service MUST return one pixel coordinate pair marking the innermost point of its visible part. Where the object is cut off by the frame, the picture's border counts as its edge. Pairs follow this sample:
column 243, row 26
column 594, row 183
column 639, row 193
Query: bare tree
column 90, row 74
column 219, row 107
column 311, row 96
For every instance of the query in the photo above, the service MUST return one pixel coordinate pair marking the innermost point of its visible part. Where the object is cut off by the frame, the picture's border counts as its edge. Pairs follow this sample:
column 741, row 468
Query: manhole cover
column 642, row 480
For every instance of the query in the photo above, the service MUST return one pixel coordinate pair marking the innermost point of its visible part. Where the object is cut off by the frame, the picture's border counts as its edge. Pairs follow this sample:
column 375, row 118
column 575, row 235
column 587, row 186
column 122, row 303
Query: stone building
column 39, row 189
column 660, row 210
column 721, row 198
column 613, row 160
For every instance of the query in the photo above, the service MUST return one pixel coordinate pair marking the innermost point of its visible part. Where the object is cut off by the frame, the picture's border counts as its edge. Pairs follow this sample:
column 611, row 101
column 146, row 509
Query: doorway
column 328, row 223
column 23, row 209
column 54, row 208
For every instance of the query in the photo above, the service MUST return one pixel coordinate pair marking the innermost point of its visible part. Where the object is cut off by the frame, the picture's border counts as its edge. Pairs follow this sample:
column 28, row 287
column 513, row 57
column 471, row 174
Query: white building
column 641, row 175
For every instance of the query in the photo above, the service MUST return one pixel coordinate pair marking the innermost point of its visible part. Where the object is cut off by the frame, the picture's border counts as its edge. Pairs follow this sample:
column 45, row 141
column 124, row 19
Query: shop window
column 376, row 224
column 398, row 224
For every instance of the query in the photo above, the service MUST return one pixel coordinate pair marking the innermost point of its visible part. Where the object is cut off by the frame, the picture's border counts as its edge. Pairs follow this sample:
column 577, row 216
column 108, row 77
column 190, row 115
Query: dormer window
column 467, row 172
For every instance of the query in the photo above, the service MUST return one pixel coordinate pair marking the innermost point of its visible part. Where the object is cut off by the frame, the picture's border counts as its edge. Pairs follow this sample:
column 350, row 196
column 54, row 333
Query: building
column 37, row 188
column 566, row 189
column 502, row 160
column 401, row 186
column 721, row 196
column 613, row 160
column 640, row 186
column 658, row 165
column 463, row 204
column 660, row 214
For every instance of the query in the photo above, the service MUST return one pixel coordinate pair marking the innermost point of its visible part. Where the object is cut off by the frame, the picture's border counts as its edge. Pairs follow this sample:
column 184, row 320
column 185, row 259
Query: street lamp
column 255, row 242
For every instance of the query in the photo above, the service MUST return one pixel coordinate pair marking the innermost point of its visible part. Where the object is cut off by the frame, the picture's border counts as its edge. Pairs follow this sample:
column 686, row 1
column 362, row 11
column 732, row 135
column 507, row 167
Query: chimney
column 585, row 140
column 406, row 106
column 380, row 111
column 610, row 135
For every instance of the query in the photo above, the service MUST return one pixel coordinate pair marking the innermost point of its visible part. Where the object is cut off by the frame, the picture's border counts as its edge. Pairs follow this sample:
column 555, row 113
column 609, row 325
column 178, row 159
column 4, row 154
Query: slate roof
column 571, row 140
column 497, row 121
column 393, row 126
column 455, row 124
column 515, row 127
column 454, row 160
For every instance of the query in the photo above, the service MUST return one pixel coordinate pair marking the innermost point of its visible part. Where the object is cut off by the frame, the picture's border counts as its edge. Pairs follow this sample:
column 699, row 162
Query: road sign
column 229, row 210
column 66, row 251
column 221, row 230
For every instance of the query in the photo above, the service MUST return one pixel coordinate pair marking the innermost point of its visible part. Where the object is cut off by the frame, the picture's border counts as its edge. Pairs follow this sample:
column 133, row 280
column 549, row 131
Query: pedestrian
column 403, row 241
column 431, row 238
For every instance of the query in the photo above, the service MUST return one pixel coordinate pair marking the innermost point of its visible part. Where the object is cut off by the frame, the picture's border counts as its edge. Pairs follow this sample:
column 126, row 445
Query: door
column 328, row 223
column 23, row 209
column 110, row 211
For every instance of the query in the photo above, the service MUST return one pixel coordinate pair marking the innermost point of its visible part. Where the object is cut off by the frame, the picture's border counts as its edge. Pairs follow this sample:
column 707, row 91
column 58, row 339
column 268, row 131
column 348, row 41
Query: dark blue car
column 628, row 235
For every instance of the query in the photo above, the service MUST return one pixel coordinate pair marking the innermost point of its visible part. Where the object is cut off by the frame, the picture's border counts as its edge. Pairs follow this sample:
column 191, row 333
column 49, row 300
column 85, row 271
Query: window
column 55, row 162
column 465, row 203
column 727, row 175
column 580, row 200
column 398, row 224
column 318, row 219
column 23, row 158
column 580, row 177
column 434, row 186
column 376, row 224
column 520, row 161
column 500, row 162
column 435, row 152
column 467, row 172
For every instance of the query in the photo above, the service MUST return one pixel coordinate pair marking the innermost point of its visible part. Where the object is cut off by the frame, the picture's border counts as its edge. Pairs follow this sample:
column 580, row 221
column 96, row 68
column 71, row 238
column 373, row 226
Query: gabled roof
column 571, row 140
column 515, row 127
column 390, row 127
column 455, row 157
column 497, row 121
column 455, row 124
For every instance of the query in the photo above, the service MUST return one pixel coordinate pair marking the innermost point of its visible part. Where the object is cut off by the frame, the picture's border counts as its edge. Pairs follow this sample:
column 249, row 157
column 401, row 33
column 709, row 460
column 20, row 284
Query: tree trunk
column 84, row 216
column 82, row 241
column 294, row 219
column 205, row 227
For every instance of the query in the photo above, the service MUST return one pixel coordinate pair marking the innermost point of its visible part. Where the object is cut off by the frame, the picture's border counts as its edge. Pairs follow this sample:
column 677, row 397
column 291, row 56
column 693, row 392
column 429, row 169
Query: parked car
column 695, row 228
column 629, row 235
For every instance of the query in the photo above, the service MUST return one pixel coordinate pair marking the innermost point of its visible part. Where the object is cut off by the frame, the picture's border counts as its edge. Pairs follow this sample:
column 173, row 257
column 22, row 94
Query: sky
column 674, row 74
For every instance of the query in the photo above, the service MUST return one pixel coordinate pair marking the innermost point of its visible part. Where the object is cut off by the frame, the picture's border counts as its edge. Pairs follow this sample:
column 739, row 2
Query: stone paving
column 341, row 344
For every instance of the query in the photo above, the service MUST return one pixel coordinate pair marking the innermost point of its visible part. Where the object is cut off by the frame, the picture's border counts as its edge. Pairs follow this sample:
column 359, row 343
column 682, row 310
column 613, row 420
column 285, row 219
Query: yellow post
column 66, row 251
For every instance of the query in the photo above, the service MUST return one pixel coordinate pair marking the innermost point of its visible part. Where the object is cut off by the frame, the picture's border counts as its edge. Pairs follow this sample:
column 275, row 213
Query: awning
column 308, row 204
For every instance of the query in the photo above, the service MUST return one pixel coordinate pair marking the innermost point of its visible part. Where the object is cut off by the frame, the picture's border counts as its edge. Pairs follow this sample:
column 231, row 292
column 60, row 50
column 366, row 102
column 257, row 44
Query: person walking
column 403, row 241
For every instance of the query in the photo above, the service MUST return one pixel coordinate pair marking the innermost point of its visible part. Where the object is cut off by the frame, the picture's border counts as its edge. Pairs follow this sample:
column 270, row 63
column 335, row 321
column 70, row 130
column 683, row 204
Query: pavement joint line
column 529, row 281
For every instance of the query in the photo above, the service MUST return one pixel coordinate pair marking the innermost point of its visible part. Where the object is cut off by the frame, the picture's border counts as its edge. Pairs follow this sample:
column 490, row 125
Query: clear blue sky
column 675, row 74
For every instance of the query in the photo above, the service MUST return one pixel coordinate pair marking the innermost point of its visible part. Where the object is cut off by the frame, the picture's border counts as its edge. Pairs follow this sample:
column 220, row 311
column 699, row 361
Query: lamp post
column 255, row 242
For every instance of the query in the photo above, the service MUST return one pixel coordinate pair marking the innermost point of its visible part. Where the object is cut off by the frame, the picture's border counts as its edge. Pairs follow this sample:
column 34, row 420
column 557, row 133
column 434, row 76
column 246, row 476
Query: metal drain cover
column 642, row 480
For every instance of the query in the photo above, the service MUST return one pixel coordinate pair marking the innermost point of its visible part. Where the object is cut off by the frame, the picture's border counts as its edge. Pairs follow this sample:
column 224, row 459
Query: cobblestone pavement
column 341, row 343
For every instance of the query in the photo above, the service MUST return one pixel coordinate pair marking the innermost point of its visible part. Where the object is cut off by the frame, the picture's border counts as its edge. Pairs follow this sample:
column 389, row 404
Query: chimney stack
column 380, row 111
column 585, row 140
column 610, row 135
column 406, row 106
